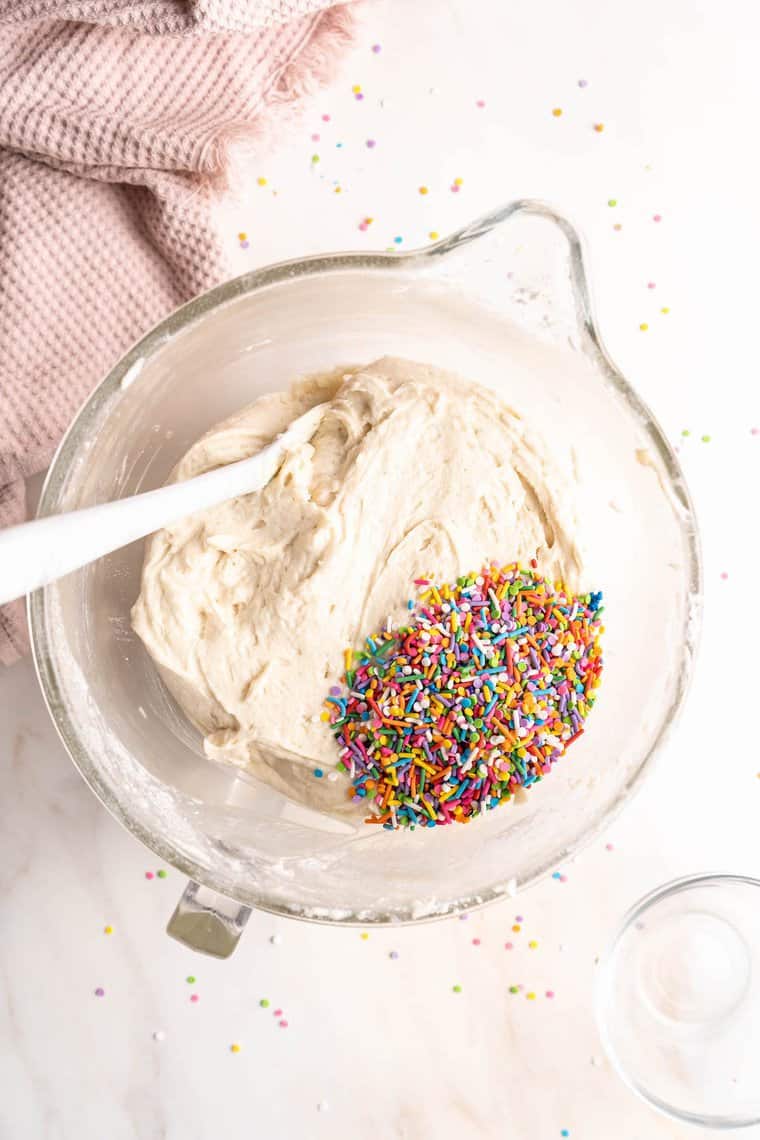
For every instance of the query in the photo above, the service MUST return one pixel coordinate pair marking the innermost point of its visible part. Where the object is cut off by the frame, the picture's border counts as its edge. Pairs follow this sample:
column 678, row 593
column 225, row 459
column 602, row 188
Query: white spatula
column 36, row 553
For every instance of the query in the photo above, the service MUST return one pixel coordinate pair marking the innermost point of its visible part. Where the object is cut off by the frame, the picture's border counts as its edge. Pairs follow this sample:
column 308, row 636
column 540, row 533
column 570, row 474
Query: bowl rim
column 277, row 273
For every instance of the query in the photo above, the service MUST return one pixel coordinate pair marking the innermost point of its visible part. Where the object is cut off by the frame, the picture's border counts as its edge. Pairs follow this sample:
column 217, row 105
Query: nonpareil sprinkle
column 478, row 695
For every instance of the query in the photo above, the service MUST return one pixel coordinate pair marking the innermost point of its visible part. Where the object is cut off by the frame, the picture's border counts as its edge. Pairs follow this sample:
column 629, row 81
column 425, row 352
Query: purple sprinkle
column 371, row 143
column 376, row 48
column 393, row 955
column 583, row 82
column 335, row 690
column 100, row 992
column 244, row 244
column 358, row 96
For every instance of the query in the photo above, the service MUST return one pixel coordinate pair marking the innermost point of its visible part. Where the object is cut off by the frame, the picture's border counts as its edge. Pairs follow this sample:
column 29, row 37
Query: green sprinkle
column 514, row 989
column 190, row 979
column 161, row 874
column 706, row 439
column 612, row 201
column 457, row 989
column 685, row 432
column 264, row 1003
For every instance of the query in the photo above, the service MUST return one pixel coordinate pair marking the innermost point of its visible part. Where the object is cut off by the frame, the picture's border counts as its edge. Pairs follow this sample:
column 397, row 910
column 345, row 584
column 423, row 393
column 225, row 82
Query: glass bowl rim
column 603, row 985
column 281, row 272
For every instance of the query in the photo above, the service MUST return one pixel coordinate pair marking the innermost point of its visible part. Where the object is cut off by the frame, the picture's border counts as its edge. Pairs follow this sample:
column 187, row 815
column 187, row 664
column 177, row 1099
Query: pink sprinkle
column 724, row 575
column 550, row 993
column 609, row 847
column 476, row 942
column 754, row 431
column 371, row 143
column 651, row 285
column 363, row 227
column 657, row 217
column 563, row 878
column 277, row 1013
column 454, row 188
column 508, row 946
column 325, row 118
column 283, row 1024
column 315, row 138
column 194, row 998
column 480, row 103
column 149, row 875
column 100, row 992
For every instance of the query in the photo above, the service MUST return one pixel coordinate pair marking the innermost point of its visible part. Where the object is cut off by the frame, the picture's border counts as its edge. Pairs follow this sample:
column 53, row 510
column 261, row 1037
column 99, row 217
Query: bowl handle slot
column 208, row 922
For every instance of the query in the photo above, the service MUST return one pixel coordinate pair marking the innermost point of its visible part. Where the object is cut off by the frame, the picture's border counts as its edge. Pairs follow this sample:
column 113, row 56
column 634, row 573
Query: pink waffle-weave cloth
column 120, row 121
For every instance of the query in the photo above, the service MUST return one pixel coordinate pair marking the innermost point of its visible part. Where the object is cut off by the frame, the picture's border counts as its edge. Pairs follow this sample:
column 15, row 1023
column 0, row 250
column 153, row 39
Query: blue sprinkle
column 398, row 240
column 556, row 875
column 564, row 1132
column 318, row 773
column 410, row 604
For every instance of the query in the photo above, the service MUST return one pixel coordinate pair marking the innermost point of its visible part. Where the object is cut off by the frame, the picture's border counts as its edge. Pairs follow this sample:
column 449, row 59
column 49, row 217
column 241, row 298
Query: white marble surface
column 386, row 1043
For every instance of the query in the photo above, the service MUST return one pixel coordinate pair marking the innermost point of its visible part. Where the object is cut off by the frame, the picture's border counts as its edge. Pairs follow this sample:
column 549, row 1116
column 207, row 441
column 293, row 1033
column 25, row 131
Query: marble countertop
column 457, row 90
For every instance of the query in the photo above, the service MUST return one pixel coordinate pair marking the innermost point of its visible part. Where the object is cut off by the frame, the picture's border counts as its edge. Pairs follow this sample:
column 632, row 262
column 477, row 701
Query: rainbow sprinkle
column 477, row 696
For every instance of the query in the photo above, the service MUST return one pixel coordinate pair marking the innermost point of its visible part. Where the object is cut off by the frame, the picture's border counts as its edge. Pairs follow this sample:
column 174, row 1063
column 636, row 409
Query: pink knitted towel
column 116, row 119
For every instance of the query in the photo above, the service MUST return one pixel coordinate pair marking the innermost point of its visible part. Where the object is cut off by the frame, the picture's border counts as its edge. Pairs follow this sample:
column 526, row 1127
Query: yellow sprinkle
column 108, row 930
column 533, row 945
column 364, row 936
column 433, row 235
column 336, row 190
column 234, row 1048
column 458, row 181
column 356, row 89
column 644, row 326
column 369, row 221
column 531, row 996
column 261, row 181
column 348, row 658
column 665, row 309
column 557, row 112
column 324, row 716
column 423, row 190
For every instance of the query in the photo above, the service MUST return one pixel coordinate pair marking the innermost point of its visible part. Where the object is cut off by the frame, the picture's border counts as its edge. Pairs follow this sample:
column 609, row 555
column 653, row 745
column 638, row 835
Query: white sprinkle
column 159, row 1035
column 332, row 777
column 276, row 939
column 323, row 1106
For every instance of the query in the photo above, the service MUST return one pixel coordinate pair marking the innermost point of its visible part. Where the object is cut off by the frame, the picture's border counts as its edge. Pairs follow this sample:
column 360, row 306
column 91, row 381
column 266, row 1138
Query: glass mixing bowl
column 505, row 302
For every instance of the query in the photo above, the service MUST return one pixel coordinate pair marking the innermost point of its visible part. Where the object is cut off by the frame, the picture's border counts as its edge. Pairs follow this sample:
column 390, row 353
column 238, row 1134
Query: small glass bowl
column 678, row 1000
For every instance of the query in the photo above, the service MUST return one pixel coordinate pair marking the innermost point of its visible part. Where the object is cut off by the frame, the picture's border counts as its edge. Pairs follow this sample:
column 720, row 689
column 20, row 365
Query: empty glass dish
column 505, row 302
column 678, row 1000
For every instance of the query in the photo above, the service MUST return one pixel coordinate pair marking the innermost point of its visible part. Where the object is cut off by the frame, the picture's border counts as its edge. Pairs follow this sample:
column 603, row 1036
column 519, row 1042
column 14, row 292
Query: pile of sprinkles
column 477, row 696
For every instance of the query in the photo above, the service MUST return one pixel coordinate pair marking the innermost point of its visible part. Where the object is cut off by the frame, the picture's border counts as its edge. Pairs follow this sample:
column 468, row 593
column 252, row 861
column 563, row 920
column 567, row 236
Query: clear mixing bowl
column 505, row 302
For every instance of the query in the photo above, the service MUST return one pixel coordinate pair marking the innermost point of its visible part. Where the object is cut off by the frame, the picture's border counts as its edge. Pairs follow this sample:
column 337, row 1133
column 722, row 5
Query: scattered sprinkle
column 657, row 217
column 651, row 285
column 315, row 138
column 434, row 235
column 108, row 930
column 754, row 431
column 533, row 945
column 263, row 181
column 314, row 159
column 618, row 227
column 424, row 190
column 611, row 846
column 376, row 49
column 325, row 119
column 277, row 1013
column 480, row 103
column 356, row 88
column 398, row 240
column 519, row 918
column 323, row 1106
column 516, row 928
column 557, row 111
column 550, row 994
column 508, row 946
column 563, row 878
column 194, row 998
column 283, row 1024
column 514, row 989
column 598, row 127
column 476, row 942
column 159, row 1035
column 371, row 143
column 612, row 201
column 583, row 82
column 565, row 1132
column 643, row 326
column 148, row 874
column 555, row 875
column 364, row 936
column 531, row 996
column 724, row 575
column 234, row 1048
column 457, row 989
column 276, row 939
column 100, row 992
column 242, row 236
column 318, row 773
column 665, row 309
column 190, row 979
column 502, row 665
column 393, row 955
column 264, row 1003
column 706, row 438
column 162, row 874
